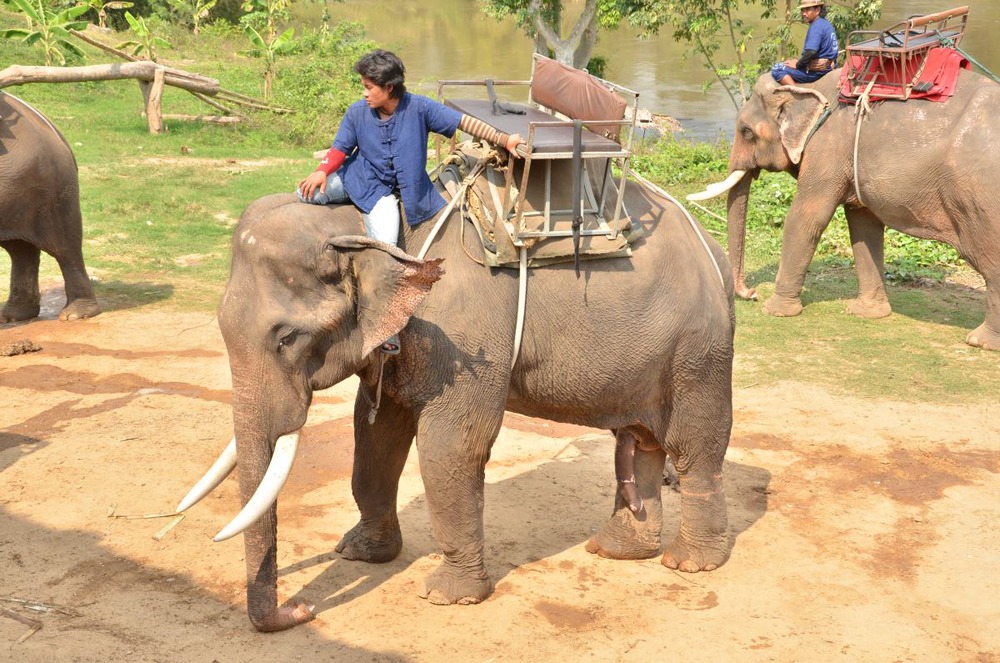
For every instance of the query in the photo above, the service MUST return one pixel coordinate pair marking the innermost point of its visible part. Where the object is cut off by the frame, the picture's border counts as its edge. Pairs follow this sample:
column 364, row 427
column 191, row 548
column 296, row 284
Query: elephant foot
column 743, row 291
column 449, row 585
column 79, row 309
column 14, row 312
column 283, row 618
column 368, row 544
column 869, row 308
column 783, row 307
column 684, row 556
column 984, row 337
column 627, row 536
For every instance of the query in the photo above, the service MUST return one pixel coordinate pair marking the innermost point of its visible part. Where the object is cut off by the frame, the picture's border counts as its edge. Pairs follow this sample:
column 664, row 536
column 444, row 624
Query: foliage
column 146, row 42
column 269, row 51
column 101, row 9
column 264, row 16
column 542, row 20
column 48, row 28
column 715, row 31
column 196, row 10
column 322, row 84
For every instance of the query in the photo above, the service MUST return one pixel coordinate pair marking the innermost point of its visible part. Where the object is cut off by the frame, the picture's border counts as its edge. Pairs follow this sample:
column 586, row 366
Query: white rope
column 687, row 215
column 466, row 183
column 862, row 109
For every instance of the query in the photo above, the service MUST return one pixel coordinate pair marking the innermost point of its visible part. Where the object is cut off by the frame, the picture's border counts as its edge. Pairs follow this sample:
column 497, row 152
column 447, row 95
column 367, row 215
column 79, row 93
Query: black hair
column 383, row 68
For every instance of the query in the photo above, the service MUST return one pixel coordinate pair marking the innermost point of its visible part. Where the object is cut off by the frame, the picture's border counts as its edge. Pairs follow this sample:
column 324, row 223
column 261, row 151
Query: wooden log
column 211, row 102
column 142, row 70
column 154, row 105
column 212, row 119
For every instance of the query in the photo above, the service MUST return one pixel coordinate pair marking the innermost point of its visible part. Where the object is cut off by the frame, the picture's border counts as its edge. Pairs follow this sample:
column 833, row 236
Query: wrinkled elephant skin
column 39, row 211
column 647, row 354
column 924, row 168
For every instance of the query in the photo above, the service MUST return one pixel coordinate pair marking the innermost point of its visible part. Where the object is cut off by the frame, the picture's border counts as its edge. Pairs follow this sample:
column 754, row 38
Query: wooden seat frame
column 541, row 126
column 887, row 57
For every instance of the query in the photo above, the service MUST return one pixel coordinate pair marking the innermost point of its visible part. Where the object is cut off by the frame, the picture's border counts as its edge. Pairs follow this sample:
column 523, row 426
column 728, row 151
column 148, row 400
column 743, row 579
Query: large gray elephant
column 641, row 346
column 39, row 211
column 927, row 169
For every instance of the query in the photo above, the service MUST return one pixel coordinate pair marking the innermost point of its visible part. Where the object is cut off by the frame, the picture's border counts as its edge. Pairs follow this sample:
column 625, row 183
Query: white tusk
column 215, row 475
column 267, row 492
column 713, row 190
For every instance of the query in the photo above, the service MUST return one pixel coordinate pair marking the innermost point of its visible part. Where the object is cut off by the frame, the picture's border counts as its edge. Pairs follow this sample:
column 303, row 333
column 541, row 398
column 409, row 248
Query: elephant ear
column 799, row 109
column 390, row 284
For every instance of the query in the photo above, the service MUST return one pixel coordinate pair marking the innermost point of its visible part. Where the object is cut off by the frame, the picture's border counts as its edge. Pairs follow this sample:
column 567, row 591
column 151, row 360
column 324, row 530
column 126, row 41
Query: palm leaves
column 48, row 28
column 280, row 45
column 145, row 45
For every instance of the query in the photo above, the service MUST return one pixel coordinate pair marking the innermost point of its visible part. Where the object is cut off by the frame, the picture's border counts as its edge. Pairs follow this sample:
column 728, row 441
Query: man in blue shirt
column 819, row 53
column 380, row 151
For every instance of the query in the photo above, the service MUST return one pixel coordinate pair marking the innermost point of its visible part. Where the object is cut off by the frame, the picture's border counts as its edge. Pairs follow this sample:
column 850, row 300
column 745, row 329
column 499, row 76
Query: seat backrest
column 577, row 95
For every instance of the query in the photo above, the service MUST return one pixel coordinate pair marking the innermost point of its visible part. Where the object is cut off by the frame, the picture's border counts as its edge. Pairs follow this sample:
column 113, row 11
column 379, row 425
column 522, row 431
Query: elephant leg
column 380, row 451
column 987, row 335
column 697, row 438
column 635, row 533
column 80, row 300
column 453, row 454
column 25, row 299
column 868, row 244
column 807, row 218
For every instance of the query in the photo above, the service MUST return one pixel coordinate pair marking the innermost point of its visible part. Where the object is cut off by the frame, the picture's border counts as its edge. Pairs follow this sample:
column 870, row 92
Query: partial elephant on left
column 40, row 211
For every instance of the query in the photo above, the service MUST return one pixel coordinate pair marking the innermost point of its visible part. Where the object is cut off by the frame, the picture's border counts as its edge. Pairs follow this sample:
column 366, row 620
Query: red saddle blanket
column 935, row 82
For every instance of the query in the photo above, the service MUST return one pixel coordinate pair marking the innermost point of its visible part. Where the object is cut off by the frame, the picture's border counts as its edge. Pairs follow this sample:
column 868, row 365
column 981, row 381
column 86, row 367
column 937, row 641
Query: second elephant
column 924, row 168
column 39, row 211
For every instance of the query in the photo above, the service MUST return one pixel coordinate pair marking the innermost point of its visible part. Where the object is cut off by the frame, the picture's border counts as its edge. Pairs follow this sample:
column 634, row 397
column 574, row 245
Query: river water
column 452, row 39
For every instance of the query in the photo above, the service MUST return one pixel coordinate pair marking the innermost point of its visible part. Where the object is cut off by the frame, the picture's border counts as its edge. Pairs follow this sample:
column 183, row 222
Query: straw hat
column 804, row 4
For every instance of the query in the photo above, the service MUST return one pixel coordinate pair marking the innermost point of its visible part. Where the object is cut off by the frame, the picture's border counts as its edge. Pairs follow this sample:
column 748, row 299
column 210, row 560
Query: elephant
column 640, row 346
column 40, row 211
column 923, row 168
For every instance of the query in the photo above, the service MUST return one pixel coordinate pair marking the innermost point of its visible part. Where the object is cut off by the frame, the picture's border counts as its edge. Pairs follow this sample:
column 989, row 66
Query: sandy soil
column 861, row 531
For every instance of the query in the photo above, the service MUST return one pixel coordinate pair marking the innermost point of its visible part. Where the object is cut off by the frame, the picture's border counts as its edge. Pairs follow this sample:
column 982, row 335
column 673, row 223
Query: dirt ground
column 861, row 531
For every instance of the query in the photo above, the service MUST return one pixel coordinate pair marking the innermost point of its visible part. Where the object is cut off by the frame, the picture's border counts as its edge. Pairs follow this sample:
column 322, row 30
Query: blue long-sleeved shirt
column 387, row 154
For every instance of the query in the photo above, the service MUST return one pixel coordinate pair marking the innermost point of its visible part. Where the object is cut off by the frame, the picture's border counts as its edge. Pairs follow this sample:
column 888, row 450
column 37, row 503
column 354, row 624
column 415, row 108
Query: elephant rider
column 819, row 53
column 380, row 151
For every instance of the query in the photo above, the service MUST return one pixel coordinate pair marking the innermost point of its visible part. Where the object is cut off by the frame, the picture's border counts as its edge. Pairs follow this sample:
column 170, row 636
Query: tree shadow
column 101, row 605
column 111, row 296
column 561, row 503
column 943, row 303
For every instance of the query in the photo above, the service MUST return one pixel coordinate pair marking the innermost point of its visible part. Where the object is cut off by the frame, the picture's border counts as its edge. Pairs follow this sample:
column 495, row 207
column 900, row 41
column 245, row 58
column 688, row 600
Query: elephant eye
column 287, row 340
column 747, row 133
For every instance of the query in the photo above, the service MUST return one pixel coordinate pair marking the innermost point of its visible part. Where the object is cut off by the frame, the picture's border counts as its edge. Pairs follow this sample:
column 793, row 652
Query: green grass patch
column 159, row 212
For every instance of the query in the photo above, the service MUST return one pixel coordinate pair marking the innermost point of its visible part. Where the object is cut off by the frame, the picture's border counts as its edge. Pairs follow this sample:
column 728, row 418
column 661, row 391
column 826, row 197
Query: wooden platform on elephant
column 915, row 58
column 575, row 160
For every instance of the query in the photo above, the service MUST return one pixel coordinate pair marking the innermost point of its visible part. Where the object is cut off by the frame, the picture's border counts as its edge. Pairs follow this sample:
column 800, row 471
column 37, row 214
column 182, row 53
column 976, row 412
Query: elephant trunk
column 259, row 482
column 737, row 216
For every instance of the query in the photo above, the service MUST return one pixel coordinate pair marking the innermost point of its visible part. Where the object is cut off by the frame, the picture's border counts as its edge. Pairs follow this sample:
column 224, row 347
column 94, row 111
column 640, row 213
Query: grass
column 159, row 213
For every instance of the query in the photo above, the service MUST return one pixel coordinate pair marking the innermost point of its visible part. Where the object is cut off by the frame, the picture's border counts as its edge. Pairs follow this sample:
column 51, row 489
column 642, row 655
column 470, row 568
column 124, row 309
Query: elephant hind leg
column 80, row 300
column 867, row 242
column 633, row 532
column 25, row 299
column 987, row 335
column 697, row 438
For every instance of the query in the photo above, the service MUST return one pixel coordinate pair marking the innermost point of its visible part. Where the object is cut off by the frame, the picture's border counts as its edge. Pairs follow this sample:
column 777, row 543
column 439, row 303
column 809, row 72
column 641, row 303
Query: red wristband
column 332, row 161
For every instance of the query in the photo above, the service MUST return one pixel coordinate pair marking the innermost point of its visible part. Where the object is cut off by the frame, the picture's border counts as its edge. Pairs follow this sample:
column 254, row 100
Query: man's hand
column 308, row 186
column 513, row 141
